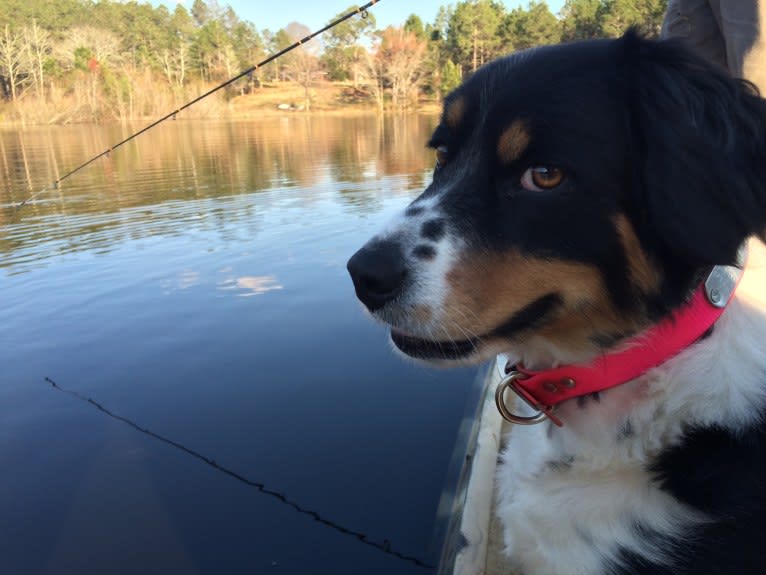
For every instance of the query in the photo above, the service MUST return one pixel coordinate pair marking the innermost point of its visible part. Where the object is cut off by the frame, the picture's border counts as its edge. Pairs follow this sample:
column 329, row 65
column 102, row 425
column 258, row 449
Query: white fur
column 569, row 497
column 430, row 284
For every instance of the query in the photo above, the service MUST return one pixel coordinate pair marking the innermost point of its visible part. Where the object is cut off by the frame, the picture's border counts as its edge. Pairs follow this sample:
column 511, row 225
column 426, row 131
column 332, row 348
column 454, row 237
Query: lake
column 222, row 404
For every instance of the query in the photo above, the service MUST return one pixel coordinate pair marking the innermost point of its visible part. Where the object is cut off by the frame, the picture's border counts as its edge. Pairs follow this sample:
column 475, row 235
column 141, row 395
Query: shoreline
column 270, row 100
column 350, row 112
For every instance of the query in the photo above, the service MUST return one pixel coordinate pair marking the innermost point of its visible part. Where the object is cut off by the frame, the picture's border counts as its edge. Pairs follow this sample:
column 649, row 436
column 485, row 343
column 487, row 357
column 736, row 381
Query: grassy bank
column 149, row 102
column 325, row 97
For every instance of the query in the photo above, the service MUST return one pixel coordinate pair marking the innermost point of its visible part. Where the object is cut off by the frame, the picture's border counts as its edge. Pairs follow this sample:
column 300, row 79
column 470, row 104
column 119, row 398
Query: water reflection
column 184, row 280
column 112, row 200
column 251, row 285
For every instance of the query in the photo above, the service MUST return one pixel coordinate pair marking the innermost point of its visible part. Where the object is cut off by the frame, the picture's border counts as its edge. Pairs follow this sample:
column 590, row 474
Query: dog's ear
column 700, row 151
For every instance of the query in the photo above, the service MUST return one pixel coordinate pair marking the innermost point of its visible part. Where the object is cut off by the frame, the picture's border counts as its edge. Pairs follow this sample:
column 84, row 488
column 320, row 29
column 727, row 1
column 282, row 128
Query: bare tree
column 89, row 50
column 227, row 58
column 401, row 53
column 372, row 76
column 11, row 61
column 303, row 66
column 174, row 63
column 37, row 47
column 101, row 45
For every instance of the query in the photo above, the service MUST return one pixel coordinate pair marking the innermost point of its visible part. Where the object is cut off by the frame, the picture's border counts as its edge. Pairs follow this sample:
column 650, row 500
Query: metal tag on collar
column 723, row 280
column 720, row 284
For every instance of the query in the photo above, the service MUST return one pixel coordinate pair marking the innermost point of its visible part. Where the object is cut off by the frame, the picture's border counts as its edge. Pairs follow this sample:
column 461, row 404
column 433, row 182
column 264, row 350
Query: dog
column 582, row 195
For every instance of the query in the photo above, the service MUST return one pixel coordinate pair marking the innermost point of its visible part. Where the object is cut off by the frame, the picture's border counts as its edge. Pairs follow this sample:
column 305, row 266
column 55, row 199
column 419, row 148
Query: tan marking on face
column 486, row 290
column 513, row 141
column 422, row 313
column 454, row 112
column 642, row 273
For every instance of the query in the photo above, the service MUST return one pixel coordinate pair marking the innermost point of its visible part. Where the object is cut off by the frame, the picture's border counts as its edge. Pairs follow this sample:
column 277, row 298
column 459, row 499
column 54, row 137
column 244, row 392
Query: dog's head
column 580, row 193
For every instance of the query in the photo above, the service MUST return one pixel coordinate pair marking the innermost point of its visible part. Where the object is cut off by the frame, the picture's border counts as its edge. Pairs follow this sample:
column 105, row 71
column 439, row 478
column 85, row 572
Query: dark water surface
column 194, row 284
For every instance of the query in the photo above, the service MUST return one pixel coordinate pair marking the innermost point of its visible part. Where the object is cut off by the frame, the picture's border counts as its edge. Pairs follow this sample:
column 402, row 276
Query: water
column 194, row 285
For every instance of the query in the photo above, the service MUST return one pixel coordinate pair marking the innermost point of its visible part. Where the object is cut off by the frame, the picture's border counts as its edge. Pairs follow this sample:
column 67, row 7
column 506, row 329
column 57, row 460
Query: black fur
column 701, row 140
column 432, row 230
column 723, row 475
column 530, row 316
column 640, row 128
column 424, row 252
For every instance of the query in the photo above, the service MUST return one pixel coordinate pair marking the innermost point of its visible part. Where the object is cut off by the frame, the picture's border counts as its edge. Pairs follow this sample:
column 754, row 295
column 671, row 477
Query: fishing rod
column 384, row 546
column 361, row 10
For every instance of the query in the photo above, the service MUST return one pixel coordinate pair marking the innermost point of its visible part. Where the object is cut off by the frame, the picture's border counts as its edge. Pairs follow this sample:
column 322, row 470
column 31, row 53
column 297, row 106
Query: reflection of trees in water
column 210, row 158
column 400, row 152
column 196, row 161
column 353, row 157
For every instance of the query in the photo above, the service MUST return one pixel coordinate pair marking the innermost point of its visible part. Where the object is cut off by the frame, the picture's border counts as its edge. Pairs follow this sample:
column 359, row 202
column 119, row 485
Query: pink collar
column 544, row 390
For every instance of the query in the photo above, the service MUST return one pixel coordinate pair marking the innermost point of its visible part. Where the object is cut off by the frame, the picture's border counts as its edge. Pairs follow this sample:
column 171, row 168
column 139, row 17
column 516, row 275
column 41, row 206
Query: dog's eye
column 539, row 178
column 441, row 156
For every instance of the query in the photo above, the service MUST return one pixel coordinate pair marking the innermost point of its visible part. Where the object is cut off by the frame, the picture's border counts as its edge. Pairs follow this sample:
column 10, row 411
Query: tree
column 140, row 31
column 619, row 15
column 200, row 12
column 437, row 52
column 400, row 53
column 472, row 36
column 276, row 43
column 343, row 55
column 37, row 47
column 11, row 57
column 175, row 54
column 581, row 20
column 303, row 67
column 414, row 25
column 88, row 51
column 372, row 75
column 535, row 26
column 249, row 49
column 450, row 77
column 84, row 43
column 211, row 51
column 87, row 59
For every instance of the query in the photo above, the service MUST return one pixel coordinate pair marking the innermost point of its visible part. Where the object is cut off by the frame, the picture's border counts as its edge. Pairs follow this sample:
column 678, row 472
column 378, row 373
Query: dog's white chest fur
column 571, row 499
column 566, row 510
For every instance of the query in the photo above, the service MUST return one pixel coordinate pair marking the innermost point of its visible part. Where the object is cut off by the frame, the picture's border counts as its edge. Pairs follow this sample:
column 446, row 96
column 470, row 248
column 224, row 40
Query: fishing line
column 384, row 546
column 362, row 10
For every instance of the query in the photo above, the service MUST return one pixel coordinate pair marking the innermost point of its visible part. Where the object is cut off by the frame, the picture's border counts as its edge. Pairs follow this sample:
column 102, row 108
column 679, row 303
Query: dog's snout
column 378, row 271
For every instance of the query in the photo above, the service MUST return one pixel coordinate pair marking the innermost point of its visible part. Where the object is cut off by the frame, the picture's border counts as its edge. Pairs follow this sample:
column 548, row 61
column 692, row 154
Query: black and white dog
column 582, row 195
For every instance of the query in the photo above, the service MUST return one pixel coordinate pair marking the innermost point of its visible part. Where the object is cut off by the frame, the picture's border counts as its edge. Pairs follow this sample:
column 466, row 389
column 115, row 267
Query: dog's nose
column 378, row 271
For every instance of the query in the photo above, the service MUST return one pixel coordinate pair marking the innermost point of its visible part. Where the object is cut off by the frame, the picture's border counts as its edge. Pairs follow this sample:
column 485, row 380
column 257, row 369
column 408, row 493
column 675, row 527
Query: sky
column 274, row 15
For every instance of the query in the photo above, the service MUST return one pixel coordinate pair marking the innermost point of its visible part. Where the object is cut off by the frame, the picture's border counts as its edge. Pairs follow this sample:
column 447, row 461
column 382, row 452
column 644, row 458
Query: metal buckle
column 543, row 411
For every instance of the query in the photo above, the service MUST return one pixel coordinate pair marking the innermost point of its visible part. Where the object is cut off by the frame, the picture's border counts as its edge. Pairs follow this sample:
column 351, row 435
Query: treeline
column 95, row 60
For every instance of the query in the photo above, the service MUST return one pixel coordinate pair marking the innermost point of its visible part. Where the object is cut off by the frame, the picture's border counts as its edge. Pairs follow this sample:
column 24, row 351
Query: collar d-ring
column 509, row 382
